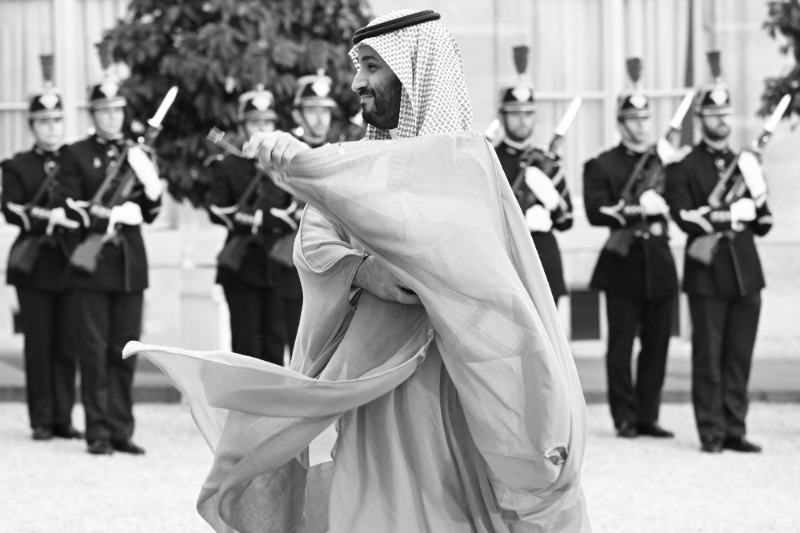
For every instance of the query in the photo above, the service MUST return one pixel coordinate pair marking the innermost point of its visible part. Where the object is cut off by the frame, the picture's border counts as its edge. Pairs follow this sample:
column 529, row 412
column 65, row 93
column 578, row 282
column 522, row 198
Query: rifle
column 22, row 257
column 114, row 191
column 648, row 174
column 233, row 253
column 731, row 187
column 547, row 160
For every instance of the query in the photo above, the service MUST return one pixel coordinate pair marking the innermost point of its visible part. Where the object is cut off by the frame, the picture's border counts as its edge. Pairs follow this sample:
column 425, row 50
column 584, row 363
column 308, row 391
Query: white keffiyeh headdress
column 426, row 59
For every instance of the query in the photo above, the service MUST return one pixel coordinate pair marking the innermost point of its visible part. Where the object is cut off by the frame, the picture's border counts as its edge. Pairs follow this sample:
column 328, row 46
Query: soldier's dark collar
column 395, row 24
column 104, row 141
column 713, row 150
column 517, row 145
column 630, row 151
column 41, row 151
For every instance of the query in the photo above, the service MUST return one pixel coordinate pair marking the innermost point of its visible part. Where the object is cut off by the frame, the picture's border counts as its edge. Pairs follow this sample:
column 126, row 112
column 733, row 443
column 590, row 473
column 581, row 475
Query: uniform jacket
column 123, row 263
column 649, row 269
column 545, row 242
column 231, row 176
column 22, row 176
column 736, row 268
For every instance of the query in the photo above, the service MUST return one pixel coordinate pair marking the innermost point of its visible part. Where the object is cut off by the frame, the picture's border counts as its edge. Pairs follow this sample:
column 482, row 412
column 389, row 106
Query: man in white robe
column 462, row 414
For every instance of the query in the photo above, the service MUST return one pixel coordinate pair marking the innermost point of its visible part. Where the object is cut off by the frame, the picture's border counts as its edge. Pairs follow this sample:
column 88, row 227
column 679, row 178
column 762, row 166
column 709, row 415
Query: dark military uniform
column 107, row 303
column 724, row 297
column 520, row 99
column 261, row 295
column 640, row 290
column 545, row 241
column 312, row 91
column 50, row 365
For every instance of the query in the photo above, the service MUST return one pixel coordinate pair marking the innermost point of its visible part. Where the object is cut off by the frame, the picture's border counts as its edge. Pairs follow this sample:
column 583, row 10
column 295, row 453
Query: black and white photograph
column 392, row 266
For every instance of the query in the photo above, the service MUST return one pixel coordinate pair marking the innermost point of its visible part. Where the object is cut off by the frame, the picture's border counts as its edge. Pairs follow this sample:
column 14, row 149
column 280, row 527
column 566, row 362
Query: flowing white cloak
column 461, row 415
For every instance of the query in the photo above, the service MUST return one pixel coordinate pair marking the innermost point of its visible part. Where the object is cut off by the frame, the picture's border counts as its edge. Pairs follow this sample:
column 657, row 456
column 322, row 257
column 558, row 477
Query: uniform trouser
column 723, row 337
column 50, row 364
column 639, row 403
column 104, row 323
column 257, row 322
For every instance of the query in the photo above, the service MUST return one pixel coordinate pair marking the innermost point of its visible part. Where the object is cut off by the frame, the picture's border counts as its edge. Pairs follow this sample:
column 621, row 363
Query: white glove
column 128, row 213
column 542, row 187
column 145, row 171
column 58, row 217
column 653, row 203
column 668, row 153
column 753, row 176
column 742, row 210
column 538, row 219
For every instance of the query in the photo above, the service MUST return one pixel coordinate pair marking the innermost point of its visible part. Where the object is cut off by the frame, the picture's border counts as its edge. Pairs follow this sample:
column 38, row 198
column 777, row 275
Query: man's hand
column 538, row 219
column 542, row 187
column 653, row 203
column 58, row 217
column 145, row 171
column 129, row 214
column 742, row 212
column 373, row 277
column 276, row 148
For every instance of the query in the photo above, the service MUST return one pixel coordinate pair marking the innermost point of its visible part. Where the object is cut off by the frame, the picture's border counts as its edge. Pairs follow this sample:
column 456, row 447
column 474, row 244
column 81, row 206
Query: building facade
column 578, row 47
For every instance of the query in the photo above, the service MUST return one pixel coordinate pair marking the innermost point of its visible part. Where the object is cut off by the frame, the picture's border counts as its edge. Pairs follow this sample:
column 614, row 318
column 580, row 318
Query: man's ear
column 297, row 116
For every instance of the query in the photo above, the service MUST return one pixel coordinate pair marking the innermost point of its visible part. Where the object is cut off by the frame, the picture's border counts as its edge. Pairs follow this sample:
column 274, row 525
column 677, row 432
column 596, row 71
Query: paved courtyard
column 632, row 486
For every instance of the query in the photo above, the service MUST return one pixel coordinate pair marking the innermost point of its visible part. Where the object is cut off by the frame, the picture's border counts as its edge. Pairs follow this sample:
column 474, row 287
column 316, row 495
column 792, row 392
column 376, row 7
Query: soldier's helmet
column 258, row 104
column 715, row 98
column 106, row 94
column 49, row 103
column 520, row 96
column 314, row 90
column 633, row 103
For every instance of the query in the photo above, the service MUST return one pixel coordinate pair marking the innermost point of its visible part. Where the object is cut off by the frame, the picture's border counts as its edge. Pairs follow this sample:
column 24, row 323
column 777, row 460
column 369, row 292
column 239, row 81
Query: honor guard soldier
column 38, row 265
column 250, row 266
column 724, row 283
column 534, row 174
column 312, row 110
column 639, row 278
column 111, row 187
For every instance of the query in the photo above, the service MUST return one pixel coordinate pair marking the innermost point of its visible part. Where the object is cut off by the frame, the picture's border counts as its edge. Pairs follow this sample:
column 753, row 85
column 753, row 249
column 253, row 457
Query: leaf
column 197, row 44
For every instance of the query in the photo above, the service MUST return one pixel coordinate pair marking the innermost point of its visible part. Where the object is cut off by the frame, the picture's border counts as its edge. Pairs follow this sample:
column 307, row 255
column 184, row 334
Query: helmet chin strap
column 307, row 135
column 713, row 139
column 49, row 147
column 108, row 136
column 627, row 139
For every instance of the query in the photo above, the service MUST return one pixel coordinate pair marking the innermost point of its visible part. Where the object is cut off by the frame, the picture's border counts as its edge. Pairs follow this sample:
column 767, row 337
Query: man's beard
column 385, row 113
column 520, row 135
column 719, row 133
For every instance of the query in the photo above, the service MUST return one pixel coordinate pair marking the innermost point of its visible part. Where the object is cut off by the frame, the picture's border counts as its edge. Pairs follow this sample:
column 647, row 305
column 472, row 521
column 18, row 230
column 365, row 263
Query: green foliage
column 214, row 51
column 783, row 19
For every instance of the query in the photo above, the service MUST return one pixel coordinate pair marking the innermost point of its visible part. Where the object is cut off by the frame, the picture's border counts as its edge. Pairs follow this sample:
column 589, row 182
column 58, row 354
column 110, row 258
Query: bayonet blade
column 777, row 115
column 163, row 108
column 677, row 119
column 569, row 116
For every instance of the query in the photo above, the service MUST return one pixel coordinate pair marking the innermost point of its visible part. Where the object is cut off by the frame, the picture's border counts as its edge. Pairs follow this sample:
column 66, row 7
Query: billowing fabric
column 464, row 414
column 427, row 61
